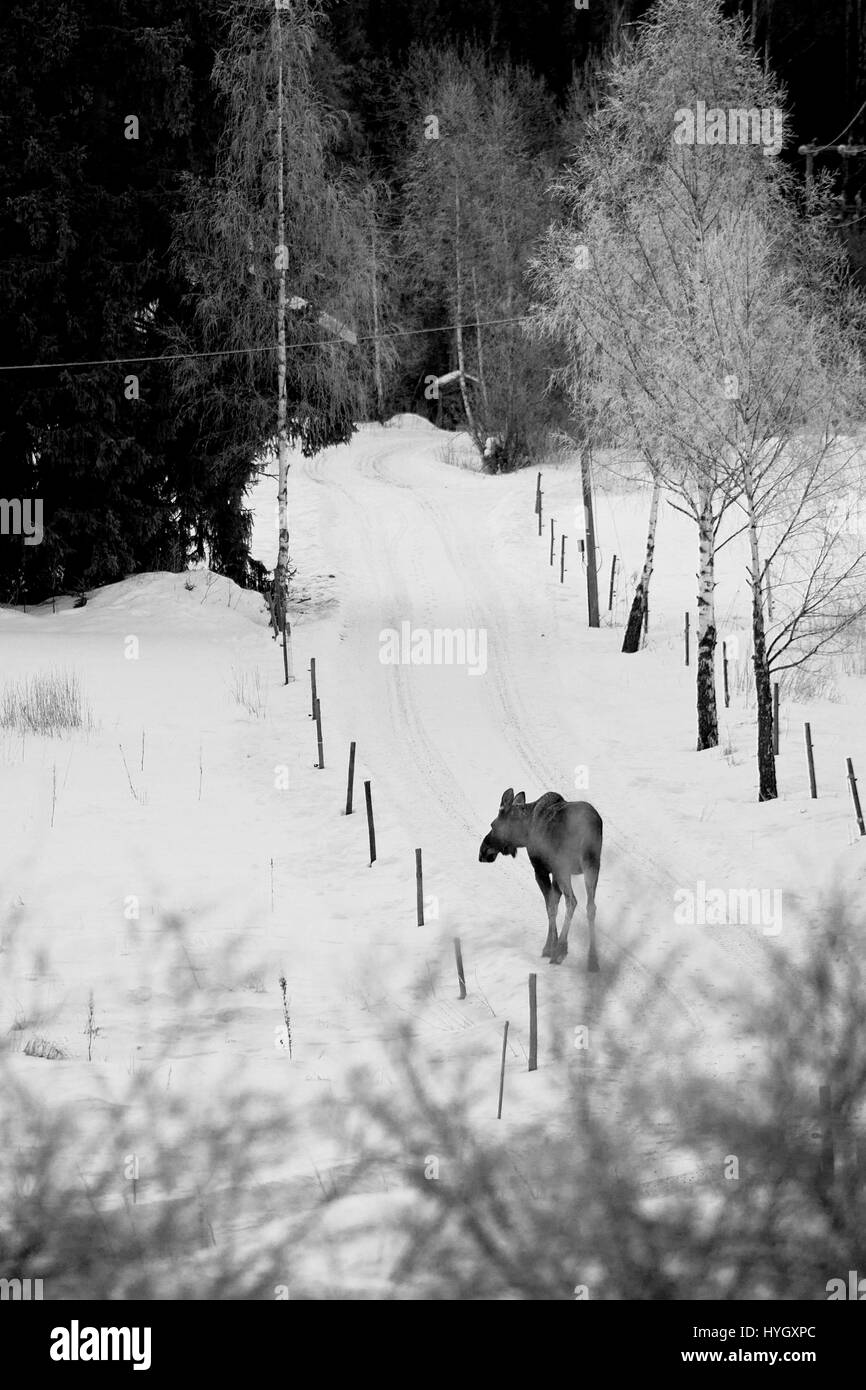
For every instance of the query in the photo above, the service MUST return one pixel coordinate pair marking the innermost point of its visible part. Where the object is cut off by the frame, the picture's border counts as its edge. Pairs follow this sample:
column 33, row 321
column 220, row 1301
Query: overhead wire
column 244, row 351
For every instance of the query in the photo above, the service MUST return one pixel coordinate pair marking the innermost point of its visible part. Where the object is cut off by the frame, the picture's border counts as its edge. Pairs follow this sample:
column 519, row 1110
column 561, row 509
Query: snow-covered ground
column 179, row 859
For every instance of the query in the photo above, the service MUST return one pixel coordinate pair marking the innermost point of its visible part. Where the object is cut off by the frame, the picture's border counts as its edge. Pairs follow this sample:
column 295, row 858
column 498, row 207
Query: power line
column 847, row 127
column 242, row 351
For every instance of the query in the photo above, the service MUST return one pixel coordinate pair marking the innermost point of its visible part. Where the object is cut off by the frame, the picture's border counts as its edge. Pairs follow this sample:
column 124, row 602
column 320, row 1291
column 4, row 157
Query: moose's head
column 505, row 835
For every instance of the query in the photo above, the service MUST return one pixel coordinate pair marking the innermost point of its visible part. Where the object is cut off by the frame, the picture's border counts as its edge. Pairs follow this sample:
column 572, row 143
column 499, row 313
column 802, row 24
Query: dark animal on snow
column 562, row 838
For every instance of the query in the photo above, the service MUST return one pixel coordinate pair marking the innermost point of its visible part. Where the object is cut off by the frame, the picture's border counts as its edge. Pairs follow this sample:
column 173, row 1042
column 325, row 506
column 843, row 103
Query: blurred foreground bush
column 634, row 1168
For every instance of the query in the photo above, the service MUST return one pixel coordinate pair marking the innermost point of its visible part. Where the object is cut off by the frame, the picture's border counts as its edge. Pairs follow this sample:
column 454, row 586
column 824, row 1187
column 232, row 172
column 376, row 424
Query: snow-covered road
column 412, row 541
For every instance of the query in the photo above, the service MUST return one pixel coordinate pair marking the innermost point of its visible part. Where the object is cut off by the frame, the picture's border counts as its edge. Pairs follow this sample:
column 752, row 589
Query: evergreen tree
column 96, row 112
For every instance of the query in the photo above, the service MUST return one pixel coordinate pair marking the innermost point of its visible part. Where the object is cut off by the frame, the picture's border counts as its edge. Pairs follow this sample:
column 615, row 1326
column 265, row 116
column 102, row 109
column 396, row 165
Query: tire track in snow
column 514, row 718
column 395, row 601
column 439, row 776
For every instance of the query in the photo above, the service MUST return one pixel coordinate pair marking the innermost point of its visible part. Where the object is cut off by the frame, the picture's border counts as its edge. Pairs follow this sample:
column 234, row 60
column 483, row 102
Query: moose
column 562, row 838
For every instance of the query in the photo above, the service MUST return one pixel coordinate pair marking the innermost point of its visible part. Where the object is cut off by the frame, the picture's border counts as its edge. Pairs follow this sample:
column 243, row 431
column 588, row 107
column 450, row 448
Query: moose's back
column 566, row 832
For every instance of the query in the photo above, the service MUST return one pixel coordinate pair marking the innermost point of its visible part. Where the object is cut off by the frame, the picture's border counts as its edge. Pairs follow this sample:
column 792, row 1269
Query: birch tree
column 623, row 278
column 275, row 246
column 790, row 321
column 727, row 329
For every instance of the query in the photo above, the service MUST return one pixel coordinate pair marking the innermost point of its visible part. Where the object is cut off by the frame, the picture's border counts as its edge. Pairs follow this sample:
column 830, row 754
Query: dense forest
column 138, row 224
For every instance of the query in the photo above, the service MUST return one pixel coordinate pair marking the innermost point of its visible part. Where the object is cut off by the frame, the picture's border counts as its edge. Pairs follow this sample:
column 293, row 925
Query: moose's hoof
column 558, row 956
column 546, row 951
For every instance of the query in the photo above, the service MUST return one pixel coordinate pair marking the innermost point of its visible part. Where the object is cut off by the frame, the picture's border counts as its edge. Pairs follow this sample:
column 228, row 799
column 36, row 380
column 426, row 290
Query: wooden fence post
column 551, row 540
column 562, row 562
column 502, row 1070
column 856, row 796
column 533, row 1024
column 370, row 827
column 461, row 978
column 612, row 576
column 811, row 761
column 776, row 718
column 312, row 687
column 321, row 762
column 350, row 784
column 419, row 888
column 687, row 639
column 725, row 673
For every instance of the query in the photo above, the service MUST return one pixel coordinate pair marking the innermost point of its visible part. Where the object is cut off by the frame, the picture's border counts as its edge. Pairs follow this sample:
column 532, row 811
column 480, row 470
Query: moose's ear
column 507, row 798
column 520, row 799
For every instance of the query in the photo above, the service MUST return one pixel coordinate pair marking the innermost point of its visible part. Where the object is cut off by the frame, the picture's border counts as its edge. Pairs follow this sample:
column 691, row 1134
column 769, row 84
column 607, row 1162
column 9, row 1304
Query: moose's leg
column 553, row 898
column 591, row 879
column 560, row 951
column 551, row 895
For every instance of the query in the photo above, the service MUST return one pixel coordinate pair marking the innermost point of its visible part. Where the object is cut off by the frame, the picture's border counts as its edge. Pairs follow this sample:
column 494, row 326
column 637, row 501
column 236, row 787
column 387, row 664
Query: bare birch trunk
column 637, row 616
column 481, row 378
column 767, row 789
column 508, row 424
column 461, row 362
column 708, row 721
column 281, row 571
column 589, row 521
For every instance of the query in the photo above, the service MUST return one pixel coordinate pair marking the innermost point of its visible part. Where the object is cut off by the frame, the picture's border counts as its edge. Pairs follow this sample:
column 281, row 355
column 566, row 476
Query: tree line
column 93, row 267
column 232, row 227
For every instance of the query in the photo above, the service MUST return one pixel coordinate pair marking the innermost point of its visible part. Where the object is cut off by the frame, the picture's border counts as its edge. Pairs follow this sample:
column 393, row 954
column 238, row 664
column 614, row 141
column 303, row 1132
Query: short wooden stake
column 856, row 796
column 419, row 888
column 321, row 762
column 725, row 673
column 538, row 495
column 562, row 562
column 538, row 509
column 612, row 575
column 551, row 540
column 502, row 1070
column 533, row 1024
column 312, row 687
column 351, row 782
column 811, row 761
column 687, row 639
column 458, row 955
column 368, row 795
column 776, row 718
